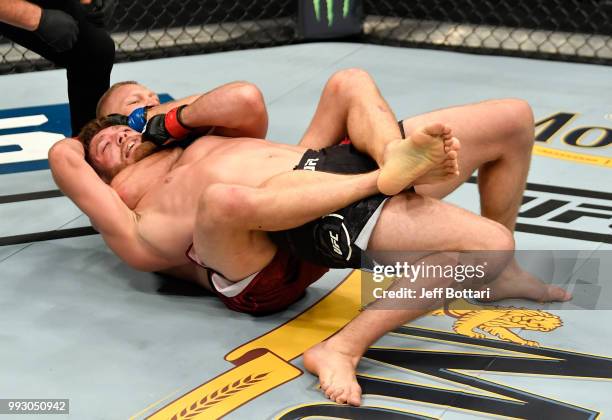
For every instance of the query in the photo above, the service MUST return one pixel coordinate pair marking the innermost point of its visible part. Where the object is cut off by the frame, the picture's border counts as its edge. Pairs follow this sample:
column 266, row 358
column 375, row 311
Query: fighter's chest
column 138, row 180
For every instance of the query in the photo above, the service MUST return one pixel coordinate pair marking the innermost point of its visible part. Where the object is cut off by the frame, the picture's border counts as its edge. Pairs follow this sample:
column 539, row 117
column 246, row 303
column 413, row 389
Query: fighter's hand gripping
column 164, row 127
column 137, row 120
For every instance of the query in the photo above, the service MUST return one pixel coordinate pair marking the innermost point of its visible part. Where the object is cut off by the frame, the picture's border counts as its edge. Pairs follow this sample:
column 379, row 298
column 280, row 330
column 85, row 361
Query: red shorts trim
column 278, row 285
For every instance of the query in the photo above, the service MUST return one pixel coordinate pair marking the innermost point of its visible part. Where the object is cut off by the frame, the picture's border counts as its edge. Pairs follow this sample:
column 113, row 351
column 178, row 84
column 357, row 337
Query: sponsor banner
column 318, row 19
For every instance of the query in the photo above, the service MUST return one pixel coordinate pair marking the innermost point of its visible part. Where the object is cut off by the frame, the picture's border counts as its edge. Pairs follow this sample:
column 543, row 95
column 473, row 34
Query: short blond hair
column 104, row 99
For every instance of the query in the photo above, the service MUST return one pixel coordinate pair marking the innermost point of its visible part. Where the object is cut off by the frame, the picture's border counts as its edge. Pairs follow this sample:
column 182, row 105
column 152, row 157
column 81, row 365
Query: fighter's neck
column 133, row 182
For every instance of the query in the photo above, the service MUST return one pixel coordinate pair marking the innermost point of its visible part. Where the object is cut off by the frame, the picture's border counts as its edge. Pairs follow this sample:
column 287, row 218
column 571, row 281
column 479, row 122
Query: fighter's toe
column 354, row 397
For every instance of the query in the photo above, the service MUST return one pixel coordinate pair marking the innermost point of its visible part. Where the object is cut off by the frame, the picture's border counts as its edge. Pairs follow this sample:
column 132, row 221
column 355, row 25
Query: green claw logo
column 330, row 10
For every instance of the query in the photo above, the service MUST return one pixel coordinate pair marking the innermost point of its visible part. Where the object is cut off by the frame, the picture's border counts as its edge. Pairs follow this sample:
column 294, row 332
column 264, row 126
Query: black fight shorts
column 337, row 239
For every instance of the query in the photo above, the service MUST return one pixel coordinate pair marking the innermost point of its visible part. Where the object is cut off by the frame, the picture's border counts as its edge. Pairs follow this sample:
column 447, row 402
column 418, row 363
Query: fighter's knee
column 487, row 235
column 353, row 73
column 519, row 107
column 520, row 121
column 506, row 239
column 222, row 204
column 498, row 238
column 343, row 79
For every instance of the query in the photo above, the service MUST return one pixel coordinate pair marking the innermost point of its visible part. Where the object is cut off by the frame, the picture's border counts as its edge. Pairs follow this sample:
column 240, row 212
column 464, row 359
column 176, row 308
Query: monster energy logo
column 330, row 10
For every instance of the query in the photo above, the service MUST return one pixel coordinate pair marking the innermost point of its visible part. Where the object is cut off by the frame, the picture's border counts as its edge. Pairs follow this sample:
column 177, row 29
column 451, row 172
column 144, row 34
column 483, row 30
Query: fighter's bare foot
column 514, row 282
column 448, row 170
column 336, row 372
column 407, row 160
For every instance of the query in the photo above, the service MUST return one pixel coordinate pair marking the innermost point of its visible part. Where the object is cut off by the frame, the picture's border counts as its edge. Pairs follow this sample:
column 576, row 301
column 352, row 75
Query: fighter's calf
column 493, row 249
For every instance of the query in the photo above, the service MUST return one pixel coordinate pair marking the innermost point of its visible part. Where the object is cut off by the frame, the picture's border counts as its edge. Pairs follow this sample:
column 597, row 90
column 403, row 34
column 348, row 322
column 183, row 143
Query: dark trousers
column 88, row 64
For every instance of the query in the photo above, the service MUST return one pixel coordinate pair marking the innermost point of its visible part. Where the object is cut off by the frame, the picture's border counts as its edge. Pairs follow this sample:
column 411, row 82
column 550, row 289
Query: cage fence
column 569, row 30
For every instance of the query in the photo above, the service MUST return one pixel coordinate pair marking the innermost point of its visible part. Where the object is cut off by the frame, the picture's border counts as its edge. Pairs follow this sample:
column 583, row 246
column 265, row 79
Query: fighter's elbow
column 58, row 160
column 255, row 115
column 64, row 150
column 141, row 266
column 133, row 251
column 56, row 152
column 142, row 263
column 250, row 96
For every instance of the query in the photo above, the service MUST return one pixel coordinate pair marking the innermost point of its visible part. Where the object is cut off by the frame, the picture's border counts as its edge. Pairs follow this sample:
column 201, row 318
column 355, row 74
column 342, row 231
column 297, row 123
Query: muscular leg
column 352, row 105
column 496, row 139
column 232, row 219
column 400, row 228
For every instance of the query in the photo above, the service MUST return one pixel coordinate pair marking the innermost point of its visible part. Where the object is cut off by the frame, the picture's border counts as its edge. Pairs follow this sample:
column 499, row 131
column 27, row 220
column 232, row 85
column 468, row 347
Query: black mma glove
column 100, row 12
column 117, row 119
column 57, row 29
column 137, row 120
column 164, row 127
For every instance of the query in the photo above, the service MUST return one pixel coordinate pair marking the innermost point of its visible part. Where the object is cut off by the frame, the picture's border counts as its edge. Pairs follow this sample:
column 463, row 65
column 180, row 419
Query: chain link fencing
column 570, row 30
column 146, row 29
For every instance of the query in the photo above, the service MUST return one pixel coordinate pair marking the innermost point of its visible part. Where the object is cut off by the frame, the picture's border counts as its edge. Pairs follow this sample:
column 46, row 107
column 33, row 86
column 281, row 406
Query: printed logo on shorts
column 334, row 241
column 311, row 164
column 339, row 238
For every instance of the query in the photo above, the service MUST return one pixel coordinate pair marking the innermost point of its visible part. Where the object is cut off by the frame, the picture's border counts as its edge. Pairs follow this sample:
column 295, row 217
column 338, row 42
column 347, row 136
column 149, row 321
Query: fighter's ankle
column 346, row 348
